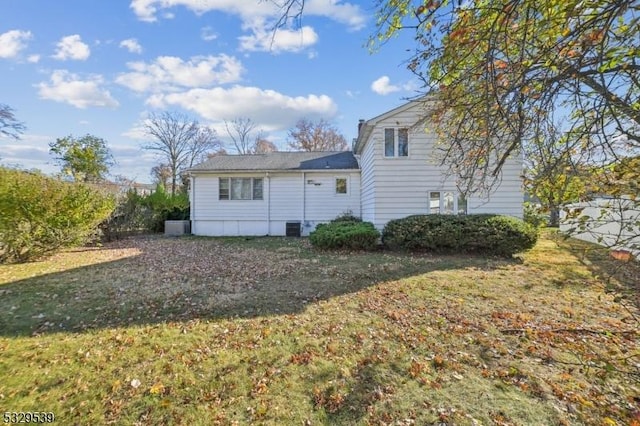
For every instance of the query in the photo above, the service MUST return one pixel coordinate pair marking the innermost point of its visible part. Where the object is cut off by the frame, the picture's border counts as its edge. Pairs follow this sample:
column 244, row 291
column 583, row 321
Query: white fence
column 613, row 223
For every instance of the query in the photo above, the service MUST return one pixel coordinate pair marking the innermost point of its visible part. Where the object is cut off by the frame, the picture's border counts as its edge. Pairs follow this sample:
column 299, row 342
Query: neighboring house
column 391, row 174
column 608, row 221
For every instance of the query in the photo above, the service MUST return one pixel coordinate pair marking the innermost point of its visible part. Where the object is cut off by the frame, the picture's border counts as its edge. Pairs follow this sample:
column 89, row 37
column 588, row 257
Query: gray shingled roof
column 281, row 161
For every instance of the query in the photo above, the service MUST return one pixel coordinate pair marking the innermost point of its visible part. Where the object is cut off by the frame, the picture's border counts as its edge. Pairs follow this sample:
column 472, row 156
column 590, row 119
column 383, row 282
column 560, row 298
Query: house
column 612, row 222
column 390, row 174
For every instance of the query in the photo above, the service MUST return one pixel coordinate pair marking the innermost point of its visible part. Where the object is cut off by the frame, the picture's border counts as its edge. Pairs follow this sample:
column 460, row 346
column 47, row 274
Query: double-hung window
column 341, row 186
column 396, row 142
column 240, row 189
column 447, row 202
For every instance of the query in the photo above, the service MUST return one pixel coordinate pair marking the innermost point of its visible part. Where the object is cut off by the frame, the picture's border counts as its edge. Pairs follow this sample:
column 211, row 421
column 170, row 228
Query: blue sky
column 101, row 66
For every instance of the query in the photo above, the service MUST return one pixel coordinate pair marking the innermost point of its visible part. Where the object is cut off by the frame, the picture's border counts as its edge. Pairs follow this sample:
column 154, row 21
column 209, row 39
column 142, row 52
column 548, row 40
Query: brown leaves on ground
column 268, row 331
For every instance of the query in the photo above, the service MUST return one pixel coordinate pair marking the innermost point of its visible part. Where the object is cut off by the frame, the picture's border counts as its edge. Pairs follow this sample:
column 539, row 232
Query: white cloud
column 383, row 86
column 270, row 109
column 12, row 42
column 264, row 39
column 346, row 13
column 34, row 59
column 258, row 19
column 67, row 87
column 146, row 10
column 170, row 73
column 207, row 34
column 72, row 47
column 337, row 10
column 31, row 152
column 132, row 45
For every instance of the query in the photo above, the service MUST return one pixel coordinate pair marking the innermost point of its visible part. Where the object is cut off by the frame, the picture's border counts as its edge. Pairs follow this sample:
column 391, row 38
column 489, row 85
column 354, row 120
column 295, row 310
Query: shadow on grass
column 181, row 279
column 622, row 277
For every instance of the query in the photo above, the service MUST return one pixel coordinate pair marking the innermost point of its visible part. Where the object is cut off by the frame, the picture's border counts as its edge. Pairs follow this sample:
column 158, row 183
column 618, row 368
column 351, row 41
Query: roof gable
column 367, row 127
column 282, row 161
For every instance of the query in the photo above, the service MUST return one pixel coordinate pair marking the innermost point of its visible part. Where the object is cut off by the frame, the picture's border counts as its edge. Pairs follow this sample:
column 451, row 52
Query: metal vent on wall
column 293, row 229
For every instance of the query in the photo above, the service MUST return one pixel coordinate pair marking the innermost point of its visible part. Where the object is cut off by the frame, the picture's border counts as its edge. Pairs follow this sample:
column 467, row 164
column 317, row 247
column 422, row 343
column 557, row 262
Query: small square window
column 341, row 185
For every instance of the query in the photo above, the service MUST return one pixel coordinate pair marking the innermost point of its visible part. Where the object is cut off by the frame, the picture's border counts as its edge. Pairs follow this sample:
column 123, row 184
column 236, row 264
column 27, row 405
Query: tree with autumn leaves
column 316, row 136
column 500, row 71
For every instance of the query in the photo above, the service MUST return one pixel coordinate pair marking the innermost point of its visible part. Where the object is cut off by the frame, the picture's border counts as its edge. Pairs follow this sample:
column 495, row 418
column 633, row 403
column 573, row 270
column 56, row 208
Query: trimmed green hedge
column 345, row 235
column 482, row 233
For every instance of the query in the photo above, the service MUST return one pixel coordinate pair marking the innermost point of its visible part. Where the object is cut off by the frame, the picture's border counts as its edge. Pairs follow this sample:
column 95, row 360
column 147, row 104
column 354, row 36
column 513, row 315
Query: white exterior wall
column 508, row 198
column 612, row 223
column 396, row 187
column 286, row 197
column 367, row 181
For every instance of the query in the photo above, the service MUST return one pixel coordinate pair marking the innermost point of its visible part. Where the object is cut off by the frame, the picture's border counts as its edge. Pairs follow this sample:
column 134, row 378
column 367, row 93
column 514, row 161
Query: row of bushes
column 137, row 213
column 483, row 233
column 40, row 215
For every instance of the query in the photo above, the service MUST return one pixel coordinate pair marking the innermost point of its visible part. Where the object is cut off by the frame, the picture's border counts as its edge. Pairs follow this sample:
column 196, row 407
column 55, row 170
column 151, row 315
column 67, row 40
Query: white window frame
column 335, row 188
column 230, row 192
column 396, row 142
column 441, row 198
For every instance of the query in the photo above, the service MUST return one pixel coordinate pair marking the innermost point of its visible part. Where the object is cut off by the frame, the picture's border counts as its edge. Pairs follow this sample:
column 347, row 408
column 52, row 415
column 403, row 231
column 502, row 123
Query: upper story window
column 240, row 189
column 396, row 142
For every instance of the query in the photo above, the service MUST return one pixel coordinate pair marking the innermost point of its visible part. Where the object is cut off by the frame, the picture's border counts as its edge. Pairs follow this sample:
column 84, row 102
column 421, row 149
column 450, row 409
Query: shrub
column 130, row 216
column 346, row 217
column 165, row 206
column 345, row 235
column 490, row 234
column 533, row 216
column 40, row 215
column 145, row 213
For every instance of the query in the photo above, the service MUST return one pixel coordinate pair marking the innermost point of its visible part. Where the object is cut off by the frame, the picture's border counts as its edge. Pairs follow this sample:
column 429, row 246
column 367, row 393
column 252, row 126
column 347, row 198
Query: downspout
column 304, row 197
column 268, row 203
column 192, row 213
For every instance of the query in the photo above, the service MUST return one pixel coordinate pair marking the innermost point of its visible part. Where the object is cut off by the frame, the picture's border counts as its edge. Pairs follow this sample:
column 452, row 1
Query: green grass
column 269, row 331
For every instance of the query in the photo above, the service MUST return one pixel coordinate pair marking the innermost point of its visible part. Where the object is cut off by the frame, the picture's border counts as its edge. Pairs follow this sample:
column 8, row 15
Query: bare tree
column 9, row 125
column 320, row 136
column 264, row 146
column 180, row 140
column 217, row 153
column 205, row 141
column 161, row 174
column 244, row 134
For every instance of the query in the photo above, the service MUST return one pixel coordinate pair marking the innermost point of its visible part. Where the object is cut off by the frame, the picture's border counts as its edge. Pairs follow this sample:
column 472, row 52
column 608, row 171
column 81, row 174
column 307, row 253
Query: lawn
column 155, row 330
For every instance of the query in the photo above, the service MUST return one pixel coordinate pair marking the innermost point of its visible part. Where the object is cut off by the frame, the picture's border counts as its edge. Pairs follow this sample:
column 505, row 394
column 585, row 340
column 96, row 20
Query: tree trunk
column 554, row 216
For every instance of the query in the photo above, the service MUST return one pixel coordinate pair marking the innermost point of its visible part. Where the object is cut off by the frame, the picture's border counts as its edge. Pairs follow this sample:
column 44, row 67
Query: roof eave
column 218, row 171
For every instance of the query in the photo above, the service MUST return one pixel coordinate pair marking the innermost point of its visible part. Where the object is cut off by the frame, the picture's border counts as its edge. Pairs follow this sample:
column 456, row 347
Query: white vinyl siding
column 394, row 189
column 367, row 179
column 507, row 198
column 306, row 197
column 321, row 201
